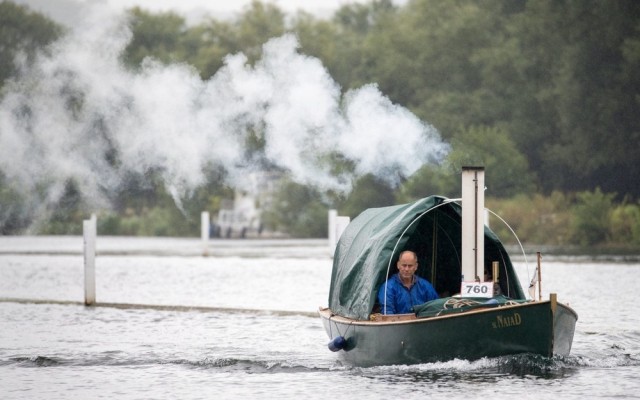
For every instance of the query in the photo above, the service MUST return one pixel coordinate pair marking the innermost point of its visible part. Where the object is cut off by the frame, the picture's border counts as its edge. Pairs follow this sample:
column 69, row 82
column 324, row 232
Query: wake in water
column 78, row 114
column 516, row 365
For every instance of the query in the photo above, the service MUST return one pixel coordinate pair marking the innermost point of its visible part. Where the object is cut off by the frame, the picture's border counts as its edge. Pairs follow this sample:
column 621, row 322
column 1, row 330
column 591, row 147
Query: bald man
column 405, row 289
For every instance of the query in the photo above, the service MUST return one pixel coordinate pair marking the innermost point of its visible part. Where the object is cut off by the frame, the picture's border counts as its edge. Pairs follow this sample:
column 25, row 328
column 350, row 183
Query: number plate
column 476, row 289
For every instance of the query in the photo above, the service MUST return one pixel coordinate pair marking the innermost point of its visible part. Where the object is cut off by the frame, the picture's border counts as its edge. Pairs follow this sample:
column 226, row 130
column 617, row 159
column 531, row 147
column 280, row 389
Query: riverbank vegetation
column 544, row 94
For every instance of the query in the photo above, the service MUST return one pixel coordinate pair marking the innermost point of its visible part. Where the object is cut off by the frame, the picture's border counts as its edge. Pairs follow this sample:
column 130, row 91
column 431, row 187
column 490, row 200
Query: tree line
column 543, row 93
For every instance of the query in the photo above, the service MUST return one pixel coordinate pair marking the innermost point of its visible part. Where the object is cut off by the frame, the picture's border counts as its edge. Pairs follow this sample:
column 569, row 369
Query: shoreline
column 259, row 247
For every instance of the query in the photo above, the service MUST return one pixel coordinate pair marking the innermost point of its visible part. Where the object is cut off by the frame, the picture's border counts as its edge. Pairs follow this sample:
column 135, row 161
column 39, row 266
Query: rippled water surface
column 64, row 350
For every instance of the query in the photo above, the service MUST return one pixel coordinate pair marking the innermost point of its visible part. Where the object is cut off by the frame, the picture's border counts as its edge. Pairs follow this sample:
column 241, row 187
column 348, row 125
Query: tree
column 204, row 46
column 154, row 35
column 323, row 40
column 563, row 70
column 593, row 102
column 22, row 33
column 298, row 211
column 507, row 170
column 422, row 58
column 591, row 217
column 368, row 192
column 259, row 23
column 430, row 180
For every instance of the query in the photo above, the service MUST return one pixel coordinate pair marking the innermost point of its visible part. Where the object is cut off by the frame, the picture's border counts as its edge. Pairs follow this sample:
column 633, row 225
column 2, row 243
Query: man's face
column 407, row 265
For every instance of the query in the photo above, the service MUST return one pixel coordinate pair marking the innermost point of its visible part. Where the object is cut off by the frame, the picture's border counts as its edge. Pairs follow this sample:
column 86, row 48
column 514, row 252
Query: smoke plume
column 74, row 111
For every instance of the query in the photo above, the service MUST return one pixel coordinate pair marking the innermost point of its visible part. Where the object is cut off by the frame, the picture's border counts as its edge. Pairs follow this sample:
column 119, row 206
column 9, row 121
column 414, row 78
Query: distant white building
column 241, row 217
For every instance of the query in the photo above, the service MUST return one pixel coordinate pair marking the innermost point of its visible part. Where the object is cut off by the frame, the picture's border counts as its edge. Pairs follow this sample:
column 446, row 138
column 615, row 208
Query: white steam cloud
column 78, row 103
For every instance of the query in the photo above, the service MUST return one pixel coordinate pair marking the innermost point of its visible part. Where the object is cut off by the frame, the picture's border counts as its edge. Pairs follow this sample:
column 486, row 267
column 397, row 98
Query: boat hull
column 545, row 328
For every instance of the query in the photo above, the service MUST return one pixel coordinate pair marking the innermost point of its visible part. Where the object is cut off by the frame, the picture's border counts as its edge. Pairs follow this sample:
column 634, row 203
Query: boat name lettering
column 505, row 321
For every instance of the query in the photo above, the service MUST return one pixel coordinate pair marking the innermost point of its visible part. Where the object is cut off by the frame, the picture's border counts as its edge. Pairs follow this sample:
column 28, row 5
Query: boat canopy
column 368, row 250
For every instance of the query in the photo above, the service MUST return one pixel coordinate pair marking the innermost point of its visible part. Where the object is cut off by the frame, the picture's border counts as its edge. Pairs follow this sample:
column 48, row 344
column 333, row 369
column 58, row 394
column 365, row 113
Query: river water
column 52, row 347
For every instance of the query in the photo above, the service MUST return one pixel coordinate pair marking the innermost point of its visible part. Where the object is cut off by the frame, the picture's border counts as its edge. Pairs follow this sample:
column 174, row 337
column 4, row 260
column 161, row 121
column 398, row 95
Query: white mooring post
column 341, row 225
column 204, row 232
column 333, row 215
column 337, row 225
column 204, row 226
column 89, row 231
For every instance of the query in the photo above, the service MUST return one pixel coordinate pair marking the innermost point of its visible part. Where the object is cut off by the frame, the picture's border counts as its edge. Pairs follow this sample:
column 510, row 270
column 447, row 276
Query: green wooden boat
column 503, row 323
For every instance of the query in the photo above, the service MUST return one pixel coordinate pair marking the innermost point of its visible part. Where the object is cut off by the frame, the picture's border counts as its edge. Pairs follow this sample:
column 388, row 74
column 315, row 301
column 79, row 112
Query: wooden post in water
column 89, row 231
column 539, row 272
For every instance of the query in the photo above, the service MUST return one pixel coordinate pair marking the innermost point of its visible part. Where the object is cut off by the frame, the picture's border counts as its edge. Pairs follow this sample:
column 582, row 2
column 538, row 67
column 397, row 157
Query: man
column 404, row 290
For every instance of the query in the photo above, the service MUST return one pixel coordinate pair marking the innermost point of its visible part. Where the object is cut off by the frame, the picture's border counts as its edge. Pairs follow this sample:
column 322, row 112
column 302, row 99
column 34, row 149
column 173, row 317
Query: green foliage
column 206, row 45
column 591, row 213
column 624, row 225
column 423, row 58
column 430, row 180
column 297, row 211
column 367, row 192
column 562, row 76
column 536, row 219
column 155, row 35
column 144, row 208
column 158, row 221
column 165, row 37
column 23, row 33
column 256, row 25
column 507, row 170
column 544, row 94
column 13, row 213
column 587, row 219
column 65, row 217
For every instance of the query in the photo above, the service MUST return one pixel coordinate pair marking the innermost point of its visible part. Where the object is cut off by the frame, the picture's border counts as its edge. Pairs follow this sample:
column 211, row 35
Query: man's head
column 407, row 264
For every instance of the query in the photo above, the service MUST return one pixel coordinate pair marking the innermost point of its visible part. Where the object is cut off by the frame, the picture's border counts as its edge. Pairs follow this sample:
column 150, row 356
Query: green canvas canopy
column 369, row 247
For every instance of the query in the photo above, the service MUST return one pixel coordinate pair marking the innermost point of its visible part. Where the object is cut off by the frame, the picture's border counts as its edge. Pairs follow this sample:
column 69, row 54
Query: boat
column 482, row 310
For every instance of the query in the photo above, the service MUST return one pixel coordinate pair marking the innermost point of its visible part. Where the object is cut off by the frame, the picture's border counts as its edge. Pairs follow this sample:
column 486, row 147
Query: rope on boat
column 456, row 303
column 459, row 303
column 337, row 328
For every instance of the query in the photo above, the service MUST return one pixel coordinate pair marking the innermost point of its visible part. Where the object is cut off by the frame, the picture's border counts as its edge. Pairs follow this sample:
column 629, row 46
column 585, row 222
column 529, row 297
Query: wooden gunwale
column 326, row 313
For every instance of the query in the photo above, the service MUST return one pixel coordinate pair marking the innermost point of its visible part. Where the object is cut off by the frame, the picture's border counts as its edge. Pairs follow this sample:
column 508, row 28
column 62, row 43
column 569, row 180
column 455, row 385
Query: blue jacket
column 400, row 300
